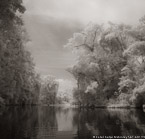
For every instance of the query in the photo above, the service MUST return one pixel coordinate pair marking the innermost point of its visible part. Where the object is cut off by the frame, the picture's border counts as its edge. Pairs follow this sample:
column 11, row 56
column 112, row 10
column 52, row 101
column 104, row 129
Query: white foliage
column 110, row 36
column 137, row 48
column 92, row 88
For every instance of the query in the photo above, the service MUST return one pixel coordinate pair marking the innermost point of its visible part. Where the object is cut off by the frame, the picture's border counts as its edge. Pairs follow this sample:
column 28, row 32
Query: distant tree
column 49, row 90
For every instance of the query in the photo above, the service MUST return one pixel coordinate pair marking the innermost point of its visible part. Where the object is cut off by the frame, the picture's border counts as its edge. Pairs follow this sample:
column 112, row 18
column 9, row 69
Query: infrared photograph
column 72, row 69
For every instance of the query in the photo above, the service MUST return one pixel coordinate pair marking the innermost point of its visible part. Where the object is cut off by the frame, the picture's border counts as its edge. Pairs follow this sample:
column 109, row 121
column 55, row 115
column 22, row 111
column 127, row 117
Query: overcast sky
column 50, row 23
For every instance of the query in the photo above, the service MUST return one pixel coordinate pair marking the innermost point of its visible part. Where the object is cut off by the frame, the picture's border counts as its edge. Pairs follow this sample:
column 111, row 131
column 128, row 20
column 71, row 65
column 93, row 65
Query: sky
column 50, row 23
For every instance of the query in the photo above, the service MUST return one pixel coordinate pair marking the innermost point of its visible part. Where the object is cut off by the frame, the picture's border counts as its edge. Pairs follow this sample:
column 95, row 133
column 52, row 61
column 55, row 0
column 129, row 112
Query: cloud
column 48, row 35
column 89, row 10
column 50, row 23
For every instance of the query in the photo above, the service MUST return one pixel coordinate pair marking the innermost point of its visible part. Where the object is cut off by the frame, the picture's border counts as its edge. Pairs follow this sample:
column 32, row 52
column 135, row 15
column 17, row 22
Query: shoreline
column 78, row 106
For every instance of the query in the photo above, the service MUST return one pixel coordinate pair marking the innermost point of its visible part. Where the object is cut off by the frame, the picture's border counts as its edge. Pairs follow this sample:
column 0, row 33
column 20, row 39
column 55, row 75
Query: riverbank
column 111, row 106
column 120, row 106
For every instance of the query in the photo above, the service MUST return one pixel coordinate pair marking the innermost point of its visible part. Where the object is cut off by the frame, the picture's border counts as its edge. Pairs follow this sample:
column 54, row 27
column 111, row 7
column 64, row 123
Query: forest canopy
column 110, row 65
column 19, row 83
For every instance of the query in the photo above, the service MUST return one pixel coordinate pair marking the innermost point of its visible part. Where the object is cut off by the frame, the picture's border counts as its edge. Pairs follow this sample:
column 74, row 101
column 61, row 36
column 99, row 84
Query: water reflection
column 68, row 123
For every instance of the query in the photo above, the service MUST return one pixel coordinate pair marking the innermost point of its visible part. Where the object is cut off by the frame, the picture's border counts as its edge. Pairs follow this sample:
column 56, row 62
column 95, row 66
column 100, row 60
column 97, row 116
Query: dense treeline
column 19, row 84
column 49, row 90
column 110, row 68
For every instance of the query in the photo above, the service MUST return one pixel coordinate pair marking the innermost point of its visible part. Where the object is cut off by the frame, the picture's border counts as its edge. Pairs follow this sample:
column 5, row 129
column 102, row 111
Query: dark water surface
column 69, row 123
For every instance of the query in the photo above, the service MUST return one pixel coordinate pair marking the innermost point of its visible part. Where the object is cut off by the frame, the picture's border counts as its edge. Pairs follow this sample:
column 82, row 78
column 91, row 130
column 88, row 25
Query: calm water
column 68, row 123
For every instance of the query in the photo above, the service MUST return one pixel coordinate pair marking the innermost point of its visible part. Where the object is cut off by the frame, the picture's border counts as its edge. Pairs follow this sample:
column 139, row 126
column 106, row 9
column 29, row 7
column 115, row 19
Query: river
column 45, row 122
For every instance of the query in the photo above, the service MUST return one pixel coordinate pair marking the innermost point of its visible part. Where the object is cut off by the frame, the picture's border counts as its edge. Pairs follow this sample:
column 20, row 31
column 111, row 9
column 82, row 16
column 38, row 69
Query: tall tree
column 17, row 76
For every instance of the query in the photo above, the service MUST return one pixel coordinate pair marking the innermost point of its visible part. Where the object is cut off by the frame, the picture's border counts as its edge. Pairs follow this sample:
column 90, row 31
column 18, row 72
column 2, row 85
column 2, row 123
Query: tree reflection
column 27, row 123
column 70, row 123
column 18, row 122
column 113, row 122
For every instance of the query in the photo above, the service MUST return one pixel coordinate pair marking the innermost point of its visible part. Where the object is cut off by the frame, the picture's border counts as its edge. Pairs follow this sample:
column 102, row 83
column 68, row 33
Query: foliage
column 19, row 84
column 49, row 89
column 113, row 57
column 138, row 97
